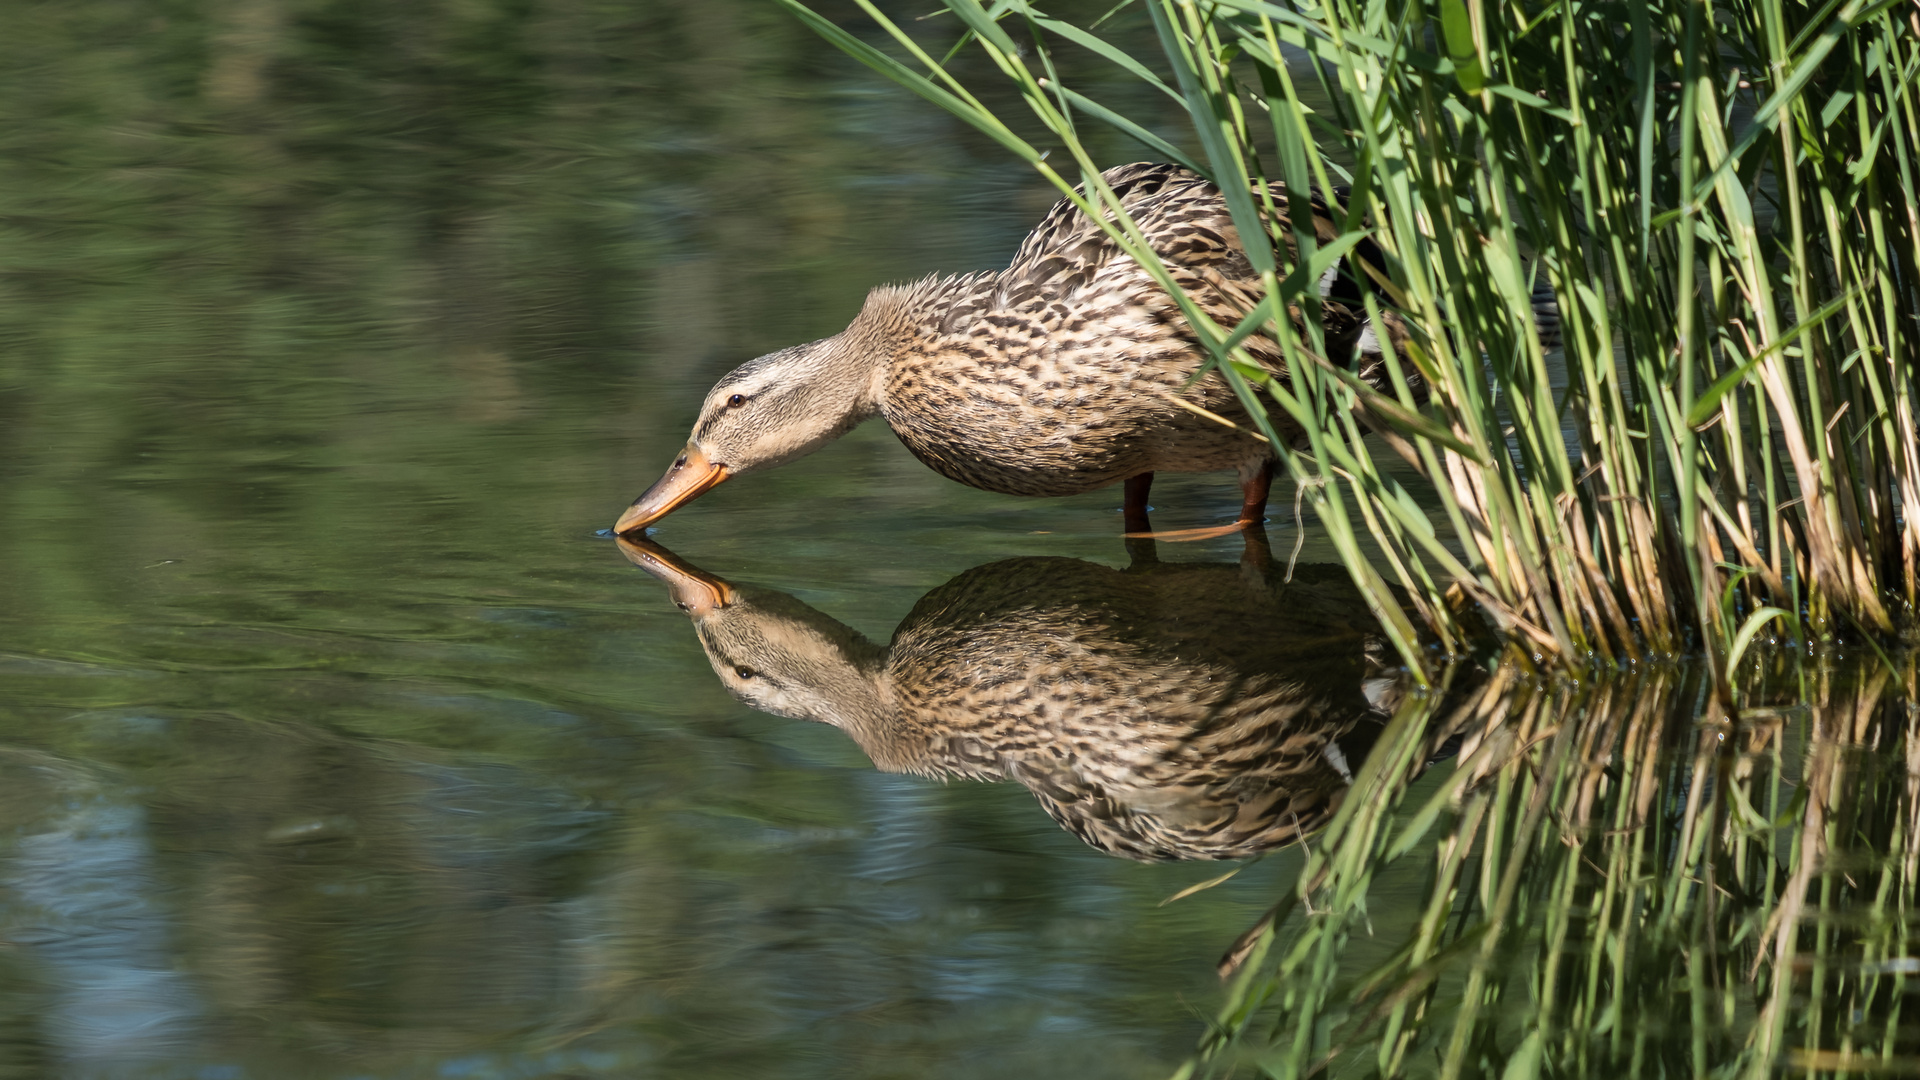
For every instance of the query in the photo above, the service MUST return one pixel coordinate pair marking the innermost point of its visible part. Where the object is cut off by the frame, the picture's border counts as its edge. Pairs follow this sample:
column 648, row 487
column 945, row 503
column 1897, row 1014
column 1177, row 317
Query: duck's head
column 766, row 412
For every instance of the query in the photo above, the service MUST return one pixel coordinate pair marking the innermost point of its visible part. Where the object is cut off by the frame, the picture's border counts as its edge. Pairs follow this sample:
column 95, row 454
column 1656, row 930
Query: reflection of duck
column 1161, row 712
column 1052, row 377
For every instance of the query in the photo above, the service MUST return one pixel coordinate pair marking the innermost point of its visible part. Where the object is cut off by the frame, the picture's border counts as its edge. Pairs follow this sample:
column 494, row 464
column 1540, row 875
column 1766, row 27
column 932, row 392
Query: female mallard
column 1165, row 711
column 1054, row 376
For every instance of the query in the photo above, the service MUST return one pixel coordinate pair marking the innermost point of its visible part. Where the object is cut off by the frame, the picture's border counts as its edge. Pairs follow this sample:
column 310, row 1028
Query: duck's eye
column 736, row 401
column 744, row 671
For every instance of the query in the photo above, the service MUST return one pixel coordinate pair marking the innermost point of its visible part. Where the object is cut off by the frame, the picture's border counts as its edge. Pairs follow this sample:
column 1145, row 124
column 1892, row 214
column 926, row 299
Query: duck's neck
column 856, row 701
column 857, row 696
column 863, row 353
column 852, row 692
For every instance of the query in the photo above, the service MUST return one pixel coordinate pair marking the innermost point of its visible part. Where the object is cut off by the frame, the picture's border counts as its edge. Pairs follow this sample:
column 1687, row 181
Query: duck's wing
column 1069, row 260
column 1177, row 821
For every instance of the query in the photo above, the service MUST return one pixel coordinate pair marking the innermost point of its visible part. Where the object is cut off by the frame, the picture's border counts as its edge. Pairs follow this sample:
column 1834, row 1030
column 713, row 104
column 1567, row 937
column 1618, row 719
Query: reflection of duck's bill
column 690, row 475
column 695, row 591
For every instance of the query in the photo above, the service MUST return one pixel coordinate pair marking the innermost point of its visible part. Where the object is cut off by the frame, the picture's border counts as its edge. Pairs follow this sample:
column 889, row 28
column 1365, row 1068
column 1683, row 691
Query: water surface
column 334, row 742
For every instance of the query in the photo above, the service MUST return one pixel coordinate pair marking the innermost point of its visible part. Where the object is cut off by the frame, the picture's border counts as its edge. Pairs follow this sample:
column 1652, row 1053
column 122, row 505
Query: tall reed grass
column 1721, row 196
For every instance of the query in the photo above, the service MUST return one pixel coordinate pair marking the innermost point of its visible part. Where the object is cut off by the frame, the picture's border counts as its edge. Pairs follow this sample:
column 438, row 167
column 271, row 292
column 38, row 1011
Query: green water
column 334, row 742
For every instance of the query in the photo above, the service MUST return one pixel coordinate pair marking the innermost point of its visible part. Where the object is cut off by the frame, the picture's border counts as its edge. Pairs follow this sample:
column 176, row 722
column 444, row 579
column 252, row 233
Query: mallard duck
column 1054, row 376
column 1165, row 711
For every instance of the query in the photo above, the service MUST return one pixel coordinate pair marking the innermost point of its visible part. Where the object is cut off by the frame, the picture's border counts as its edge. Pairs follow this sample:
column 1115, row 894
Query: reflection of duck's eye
column 736, row 401
column 744, row 671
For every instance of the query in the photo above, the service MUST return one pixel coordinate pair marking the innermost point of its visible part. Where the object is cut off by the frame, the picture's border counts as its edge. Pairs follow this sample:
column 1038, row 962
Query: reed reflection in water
column 1164, row 711
column 1623, row 881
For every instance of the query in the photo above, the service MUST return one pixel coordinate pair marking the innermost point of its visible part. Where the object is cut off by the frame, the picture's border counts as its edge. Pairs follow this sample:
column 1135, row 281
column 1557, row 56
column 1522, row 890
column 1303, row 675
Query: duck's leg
column 1141, row 550
column 1134, row 507
column 1138, row 539
column 1256, row 556
column 1254, row 486
column 1255, row 480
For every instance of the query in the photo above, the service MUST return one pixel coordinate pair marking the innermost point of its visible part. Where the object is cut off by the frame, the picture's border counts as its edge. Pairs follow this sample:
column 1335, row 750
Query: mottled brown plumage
column 1166, row 711
column 1051, row 377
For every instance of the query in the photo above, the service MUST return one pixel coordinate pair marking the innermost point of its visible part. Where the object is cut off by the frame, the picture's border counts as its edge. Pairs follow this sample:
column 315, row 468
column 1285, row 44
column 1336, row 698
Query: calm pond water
column 334, row 742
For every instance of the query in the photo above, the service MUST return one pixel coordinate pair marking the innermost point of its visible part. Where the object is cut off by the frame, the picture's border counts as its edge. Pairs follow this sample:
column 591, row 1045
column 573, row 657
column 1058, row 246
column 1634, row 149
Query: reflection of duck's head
column 1160, row 712
column 771, row 651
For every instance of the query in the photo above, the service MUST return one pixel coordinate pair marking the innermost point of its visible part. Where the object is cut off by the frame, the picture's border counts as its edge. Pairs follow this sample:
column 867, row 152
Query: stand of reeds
column 1722, row 196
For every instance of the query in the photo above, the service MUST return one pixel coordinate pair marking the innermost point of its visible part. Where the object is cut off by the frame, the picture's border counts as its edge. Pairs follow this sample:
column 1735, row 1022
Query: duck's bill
column 690, row 475
column 695, row 591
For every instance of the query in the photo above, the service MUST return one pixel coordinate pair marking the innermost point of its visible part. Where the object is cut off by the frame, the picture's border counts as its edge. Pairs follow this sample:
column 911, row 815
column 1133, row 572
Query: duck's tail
column 1546, row 310
column 1338, row 284
column 1369, row 360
